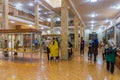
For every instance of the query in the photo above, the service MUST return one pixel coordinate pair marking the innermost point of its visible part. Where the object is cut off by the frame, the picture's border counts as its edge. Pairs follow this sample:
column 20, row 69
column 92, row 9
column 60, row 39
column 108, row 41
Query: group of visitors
column 108, row 51
column 93, row 49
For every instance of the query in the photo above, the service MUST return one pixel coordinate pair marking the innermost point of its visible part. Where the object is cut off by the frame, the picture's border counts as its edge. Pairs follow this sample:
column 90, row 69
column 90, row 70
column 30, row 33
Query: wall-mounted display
column 93, row 36
column 109, row 33
column 118, row 35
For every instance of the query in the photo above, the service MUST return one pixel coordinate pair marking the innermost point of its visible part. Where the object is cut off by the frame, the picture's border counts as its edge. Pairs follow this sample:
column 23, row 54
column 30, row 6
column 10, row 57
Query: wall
column 87, row 32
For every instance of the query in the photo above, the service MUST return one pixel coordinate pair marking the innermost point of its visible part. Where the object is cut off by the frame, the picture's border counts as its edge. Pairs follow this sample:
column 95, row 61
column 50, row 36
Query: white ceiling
column 103, row 8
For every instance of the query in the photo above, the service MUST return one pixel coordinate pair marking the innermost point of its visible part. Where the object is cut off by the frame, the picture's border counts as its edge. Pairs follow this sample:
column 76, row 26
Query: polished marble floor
column 78, row 68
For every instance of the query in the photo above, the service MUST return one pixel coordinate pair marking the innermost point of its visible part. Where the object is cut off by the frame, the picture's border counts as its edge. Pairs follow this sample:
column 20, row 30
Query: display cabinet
column 20, row 41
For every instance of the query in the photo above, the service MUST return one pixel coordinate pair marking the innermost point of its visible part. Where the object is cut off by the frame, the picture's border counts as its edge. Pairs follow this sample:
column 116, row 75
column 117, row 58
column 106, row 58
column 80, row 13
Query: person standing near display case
column 47, row 43
column 36, row 43
column 54, row 49
column 5, row 48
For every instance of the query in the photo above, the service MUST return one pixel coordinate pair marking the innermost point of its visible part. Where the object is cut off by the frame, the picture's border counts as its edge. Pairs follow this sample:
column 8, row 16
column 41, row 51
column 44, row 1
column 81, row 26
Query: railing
column 21, row 14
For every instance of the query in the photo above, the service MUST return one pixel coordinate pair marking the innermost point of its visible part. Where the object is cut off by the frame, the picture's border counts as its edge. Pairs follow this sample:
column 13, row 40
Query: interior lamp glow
column 30, row 4
column 18, row 5
column 92, row 22
column 48, row 19
column 92, row 1
column 30, row 25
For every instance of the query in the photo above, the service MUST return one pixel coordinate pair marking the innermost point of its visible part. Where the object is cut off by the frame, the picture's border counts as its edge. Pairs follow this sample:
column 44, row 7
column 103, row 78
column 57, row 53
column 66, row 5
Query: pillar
column 76, row 22
column 81, row 30
column 51, row 23
column 64, row 26
column 5, row 14
column 36, row 9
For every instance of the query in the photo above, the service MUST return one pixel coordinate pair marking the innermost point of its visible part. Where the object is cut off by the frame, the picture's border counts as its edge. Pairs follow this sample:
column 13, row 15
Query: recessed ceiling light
column 48, row 19
column 31, row 4
column 92, row 21
column 92, row 25
column 93, row 15
column 92, row 1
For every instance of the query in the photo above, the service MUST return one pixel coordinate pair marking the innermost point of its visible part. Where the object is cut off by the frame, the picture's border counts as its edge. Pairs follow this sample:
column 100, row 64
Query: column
column 5, row 14
column 64, row 26
column 51, row 23
column 81, row 30
column 36, row 9
column 76, row 22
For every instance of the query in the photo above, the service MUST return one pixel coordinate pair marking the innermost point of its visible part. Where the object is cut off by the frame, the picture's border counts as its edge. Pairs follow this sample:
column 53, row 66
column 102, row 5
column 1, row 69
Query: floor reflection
column 78, row 68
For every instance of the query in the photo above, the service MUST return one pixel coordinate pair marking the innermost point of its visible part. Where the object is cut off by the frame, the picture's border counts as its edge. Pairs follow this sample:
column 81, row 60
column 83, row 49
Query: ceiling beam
column 74, row 10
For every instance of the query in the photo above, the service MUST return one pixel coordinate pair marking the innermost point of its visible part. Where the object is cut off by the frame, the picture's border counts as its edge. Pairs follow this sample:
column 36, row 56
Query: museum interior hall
column 59, row 39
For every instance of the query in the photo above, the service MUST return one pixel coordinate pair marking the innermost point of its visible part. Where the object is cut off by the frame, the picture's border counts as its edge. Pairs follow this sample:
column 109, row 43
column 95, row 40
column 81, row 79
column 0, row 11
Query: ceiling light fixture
column 31, row 4
column 48, row 19
column 93, row 15
column 92, row 21
column 92, row 25
column 92, row 1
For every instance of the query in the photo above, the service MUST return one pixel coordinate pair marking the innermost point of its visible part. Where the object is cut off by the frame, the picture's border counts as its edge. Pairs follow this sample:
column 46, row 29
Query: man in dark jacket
column 95, row 48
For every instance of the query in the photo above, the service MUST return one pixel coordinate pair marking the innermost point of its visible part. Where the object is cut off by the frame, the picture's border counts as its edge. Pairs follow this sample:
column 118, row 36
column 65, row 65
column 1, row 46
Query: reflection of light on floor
column 13, row 77
column 38, row 78
column 42, row 67
column 105, row 78
column 89, row 77
column 99, row 60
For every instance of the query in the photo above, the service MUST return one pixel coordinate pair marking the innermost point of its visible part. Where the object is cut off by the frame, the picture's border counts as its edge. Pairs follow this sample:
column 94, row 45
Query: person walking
column 82, row 43
column 47, row 43
column 95, row 48
column 110, row 57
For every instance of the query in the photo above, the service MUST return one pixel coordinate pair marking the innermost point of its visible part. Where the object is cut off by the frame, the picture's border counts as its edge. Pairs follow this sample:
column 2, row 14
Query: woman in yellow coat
column 53, row 49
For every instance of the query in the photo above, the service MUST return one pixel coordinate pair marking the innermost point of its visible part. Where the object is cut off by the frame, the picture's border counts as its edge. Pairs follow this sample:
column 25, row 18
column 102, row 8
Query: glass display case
column 20, row 41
